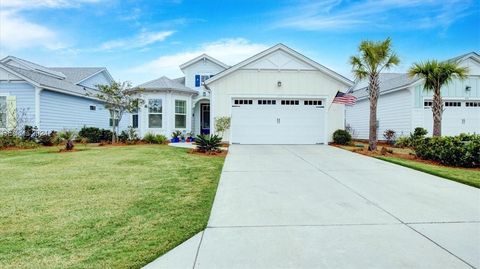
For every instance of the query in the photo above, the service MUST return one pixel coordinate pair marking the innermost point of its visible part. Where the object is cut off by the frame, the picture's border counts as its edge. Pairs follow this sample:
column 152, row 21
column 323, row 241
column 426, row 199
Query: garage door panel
column 456, row 119
column 277, row 124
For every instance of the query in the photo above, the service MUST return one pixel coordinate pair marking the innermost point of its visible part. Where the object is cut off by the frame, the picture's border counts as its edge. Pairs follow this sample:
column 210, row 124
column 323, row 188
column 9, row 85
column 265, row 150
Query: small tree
column 222, row 124
column 118, row 99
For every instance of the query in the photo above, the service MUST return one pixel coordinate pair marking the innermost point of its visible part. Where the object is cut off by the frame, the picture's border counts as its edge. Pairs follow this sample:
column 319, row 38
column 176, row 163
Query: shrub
column 462, row 150
column 10, row 140
column 47, row 139
column 208, row 143
column 403, row 142
column 390, row 136
column 154, row 139
column 222, row 124
column 95, row 135
column 30, row 133
column 342, row 137
column 67, row 137
column 420, row 132
column 416, row 137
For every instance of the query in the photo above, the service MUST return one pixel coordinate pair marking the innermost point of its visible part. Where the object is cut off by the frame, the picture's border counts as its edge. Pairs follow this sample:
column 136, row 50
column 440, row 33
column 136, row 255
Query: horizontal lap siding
column 61, row 111
column 394, row 111
column 25, row 96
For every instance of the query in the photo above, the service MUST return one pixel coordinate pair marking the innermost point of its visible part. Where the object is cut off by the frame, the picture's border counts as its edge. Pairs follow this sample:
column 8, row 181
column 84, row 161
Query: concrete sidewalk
column 323, row 207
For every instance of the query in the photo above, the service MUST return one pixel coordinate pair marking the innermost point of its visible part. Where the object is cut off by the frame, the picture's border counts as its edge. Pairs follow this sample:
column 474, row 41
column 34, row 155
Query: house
column 403, row 104
column 277, row 96
column 51, row 98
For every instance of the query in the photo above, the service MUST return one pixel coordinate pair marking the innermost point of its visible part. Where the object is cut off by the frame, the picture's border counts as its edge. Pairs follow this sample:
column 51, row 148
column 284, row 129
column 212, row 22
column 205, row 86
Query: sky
column 139, row 41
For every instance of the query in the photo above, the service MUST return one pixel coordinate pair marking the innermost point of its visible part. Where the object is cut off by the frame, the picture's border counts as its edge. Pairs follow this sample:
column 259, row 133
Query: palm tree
column 373, row 58
column 436, row 74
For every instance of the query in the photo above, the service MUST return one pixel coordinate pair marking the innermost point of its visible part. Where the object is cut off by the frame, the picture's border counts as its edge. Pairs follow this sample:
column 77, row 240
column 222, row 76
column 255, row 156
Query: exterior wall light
column 279, row 83
column 468, row 88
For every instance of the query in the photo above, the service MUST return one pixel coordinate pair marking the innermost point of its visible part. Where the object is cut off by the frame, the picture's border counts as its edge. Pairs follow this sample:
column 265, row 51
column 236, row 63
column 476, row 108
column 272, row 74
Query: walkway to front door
column 323, row 207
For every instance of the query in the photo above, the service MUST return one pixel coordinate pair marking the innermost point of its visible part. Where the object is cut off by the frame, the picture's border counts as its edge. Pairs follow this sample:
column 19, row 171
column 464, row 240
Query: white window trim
column 183, row 114
column 154, row 113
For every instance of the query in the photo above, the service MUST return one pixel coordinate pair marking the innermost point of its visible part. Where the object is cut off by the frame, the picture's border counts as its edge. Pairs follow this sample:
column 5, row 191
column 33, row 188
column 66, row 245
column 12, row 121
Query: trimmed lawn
column 466, row 176
column 101, row 207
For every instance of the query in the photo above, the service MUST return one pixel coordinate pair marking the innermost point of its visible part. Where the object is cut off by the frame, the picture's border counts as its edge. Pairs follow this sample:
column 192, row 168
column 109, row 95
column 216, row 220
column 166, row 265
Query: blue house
column 52, row 98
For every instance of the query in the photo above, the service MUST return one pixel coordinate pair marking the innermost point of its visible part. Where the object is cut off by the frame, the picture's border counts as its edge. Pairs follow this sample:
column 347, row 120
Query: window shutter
column 11, row 111
column 197, row 80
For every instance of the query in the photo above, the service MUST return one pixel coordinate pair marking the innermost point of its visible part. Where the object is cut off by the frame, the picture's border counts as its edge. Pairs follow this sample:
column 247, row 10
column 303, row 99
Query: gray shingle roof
column 163, row 84
column 35, row 66
column 76, row 74
column 388, row 81
column 47, row 81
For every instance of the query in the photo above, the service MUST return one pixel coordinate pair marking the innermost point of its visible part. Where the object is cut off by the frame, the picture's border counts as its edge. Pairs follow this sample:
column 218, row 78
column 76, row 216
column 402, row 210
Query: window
column 204, row 77
column 3, row 112
column 155, row 113
column 313, row 102
column 116, row 119
column 180, row 114
column 267, row 102
column 242, row 102
column 472, row 104
column 290, row 102
column 135, row 121
column 427, row 104
column 93, row 108
column 453, row 104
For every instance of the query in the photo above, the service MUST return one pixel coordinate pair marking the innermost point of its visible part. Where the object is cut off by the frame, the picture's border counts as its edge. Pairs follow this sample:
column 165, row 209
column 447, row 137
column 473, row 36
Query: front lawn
column 101, row 207
column 463, row 175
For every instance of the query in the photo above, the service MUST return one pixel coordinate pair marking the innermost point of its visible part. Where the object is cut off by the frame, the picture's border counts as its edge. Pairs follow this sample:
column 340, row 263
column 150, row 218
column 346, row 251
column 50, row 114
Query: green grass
column 466, row 176
column 101, row 207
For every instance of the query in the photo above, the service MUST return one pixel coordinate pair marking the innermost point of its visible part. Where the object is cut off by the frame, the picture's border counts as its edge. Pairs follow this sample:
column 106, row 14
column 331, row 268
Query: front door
column 205, row 118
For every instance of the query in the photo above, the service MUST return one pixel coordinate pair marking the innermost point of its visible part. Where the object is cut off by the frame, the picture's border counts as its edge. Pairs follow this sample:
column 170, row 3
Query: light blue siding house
column 52, row 98
column 403, row 104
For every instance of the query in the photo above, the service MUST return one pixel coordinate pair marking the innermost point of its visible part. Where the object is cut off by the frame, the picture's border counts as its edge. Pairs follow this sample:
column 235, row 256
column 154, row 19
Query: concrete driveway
column 323, row 207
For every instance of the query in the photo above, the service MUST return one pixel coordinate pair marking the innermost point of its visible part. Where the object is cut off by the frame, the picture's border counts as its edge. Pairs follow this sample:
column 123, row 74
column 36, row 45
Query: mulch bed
column 221, row 153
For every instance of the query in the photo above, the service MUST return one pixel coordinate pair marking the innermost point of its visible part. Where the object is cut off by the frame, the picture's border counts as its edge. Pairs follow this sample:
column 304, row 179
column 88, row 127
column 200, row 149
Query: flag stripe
column 344, row 98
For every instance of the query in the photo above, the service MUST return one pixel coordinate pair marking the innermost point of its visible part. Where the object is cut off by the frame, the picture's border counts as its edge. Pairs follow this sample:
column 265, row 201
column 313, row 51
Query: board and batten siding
column 456, row 89
column 394, row 112
column 60, row 111
column 25, row 99
column 263, row 83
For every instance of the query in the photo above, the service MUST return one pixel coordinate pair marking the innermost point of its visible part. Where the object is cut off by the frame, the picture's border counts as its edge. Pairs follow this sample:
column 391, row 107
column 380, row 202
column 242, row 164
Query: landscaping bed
column 406, row 157
column 109, row 207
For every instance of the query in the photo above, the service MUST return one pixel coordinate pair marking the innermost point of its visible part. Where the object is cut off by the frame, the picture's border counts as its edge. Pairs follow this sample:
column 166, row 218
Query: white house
column 278, row 96
column 51, row 98
column 403, row 104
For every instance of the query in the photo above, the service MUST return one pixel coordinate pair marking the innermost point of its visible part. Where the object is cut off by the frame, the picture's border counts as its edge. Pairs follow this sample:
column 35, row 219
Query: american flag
column 344, row 98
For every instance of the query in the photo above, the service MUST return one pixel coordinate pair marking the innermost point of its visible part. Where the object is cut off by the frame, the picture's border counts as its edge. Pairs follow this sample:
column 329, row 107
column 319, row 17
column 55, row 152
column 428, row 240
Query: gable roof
column 288, row 50
column 45, row 81
column 388, row 82
column 61, row 79
column 77, row 75
column 165, row 84
column 33, row 66
column 474, row 55
column 202, row 57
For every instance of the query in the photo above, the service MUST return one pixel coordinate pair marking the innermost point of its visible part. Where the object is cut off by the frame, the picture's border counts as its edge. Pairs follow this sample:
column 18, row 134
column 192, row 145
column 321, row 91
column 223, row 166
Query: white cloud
column 18, row 33
column 34, row 4
column 141, row 40
column 369, row 14
column 229, row 51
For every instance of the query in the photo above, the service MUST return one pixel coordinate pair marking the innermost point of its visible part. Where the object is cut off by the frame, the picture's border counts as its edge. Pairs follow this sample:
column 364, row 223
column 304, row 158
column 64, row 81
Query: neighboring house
column 403, row 104
column 278, row 96
column 52, row 98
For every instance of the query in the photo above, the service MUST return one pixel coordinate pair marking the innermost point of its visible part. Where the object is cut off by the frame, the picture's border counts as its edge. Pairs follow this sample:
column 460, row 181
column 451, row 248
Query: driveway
column 323, row 207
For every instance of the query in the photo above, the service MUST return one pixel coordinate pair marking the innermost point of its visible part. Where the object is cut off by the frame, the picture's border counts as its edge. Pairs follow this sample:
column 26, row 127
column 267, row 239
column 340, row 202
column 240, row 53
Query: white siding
column 201, row 67
column 263, row 83
column 394, row 112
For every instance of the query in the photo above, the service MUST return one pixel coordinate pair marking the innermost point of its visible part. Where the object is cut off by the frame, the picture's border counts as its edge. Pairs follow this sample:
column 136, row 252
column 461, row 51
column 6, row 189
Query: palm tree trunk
column 373, row 92
column 437, row 110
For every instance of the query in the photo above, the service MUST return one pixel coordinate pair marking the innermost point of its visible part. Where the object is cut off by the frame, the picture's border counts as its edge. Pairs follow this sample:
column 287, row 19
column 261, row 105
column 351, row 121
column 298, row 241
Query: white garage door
column 458, row 117
column 278, row 121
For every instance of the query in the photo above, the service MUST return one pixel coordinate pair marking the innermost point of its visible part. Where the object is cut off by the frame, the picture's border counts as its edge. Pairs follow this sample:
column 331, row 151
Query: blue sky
column 143, row 40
